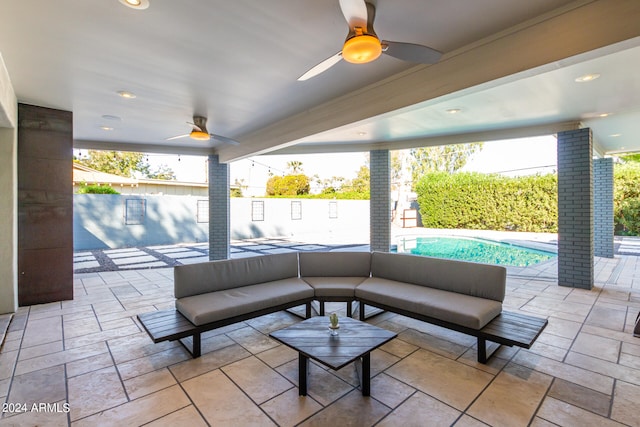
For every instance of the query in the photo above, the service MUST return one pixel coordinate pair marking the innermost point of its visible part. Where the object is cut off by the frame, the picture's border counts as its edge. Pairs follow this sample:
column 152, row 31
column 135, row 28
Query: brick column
column 603, row 207
column 219, row 226
column 575, row 209
column 380, row 208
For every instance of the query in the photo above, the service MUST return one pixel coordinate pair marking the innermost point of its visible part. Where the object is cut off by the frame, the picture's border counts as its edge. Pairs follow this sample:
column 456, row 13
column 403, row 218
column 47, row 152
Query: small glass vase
column 333, row 330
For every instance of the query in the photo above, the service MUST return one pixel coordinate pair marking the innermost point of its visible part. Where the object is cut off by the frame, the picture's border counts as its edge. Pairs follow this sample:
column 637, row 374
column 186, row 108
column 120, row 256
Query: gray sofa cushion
column 479, row 280
column 461, row 309
column 340, row 264
column 195, row 279
column 334, row 286
column 227, row 303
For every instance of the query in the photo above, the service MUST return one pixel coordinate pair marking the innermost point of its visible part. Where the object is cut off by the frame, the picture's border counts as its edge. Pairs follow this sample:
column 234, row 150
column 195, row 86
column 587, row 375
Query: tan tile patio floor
column 92, row 355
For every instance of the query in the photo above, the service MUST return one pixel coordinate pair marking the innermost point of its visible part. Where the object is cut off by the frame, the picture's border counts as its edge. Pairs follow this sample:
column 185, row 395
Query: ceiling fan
column 200, row 132
column 363, row 45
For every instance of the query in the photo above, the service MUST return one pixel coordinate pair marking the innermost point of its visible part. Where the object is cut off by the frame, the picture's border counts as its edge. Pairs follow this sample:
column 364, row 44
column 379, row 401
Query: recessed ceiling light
column 106, row 128
column 126, row 94
column 587, row 78
column 362, row 133
column 136, row 4
column 454, row 110
column 111, row 117
column 615, row 135
column 595, row 115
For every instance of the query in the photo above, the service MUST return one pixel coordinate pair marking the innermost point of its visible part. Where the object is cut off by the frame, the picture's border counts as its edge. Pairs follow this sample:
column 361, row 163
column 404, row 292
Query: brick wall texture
column 380, row 204
column 603, row 207
column 219, row 224
column 575, row 207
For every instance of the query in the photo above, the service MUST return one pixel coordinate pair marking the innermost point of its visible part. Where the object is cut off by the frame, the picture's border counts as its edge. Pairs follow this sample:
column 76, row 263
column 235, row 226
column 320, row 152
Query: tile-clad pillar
column 603, row 207
column 380, row 201
column 575, row 209
column 219, row 224
column 45, row 205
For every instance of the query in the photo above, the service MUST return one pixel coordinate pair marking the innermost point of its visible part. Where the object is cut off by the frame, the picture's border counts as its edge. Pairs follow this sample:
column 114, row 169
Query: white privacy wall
column 102, row 221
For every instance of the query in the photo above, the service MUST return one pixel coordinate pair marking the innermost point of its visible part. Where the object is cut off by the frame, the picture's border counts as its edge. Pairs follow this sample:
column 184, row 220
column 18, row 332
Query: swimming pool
column 472, row 249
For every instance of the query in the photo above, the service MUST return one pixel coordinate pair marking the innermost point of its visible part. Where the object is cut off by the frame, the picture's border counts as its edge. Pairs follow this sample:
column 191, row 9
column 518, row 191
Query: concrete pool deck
column 163, row 256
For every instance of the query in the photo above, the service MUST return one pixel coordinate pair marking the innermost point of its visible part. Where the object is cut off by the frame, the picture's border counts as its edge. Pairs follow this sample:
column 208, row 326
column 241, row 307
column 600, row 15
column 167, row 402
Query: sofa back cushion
column 196, row 279
column 479, row 280
column 335, row 264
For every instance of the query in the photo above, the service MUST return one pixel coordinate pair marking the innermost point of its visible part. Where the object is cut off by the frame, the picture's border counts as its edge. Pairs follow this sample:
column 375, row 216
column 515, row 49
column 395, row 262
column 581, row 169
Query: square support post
column 219, row 207
column 380, row 201
column 603, row 207
column 45, row 205
column 575, row 209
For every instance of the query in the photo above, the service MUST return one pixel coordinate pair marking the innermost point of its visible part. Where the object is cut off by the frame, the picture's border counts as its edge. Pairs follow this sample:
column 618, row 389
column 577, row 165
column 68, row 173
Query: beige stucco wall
column 8, row 194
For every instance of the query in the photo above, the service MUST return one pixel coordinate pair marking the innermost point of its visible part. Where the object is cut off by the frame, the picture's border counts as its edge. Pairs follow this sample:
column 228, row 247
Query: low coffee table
column 355, row 341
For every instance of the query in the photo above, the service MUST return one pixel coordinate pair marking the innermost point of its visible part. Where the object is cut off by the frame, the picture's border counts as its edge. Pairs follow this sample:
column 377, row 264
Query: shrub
column 96, row 189
column 529, row 203
column 488, row 202
column 288, row 185
column 626, row 199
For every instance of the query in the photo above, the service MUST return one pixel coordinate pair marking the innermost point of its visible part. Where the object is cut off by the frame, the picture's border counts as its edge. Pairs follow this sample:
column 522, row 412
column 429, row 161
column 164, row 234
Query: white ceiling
column 542, row 99
column 508, row 65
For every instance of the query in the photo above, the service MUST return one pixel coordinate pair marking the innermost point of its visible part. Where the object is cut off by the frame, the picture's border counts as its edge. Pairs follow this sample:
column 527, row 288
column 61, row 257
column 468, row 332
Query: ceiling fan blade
column 355, row 12
column 321, row 67
column 411, row 52
column 176, row 137
column 224, row 139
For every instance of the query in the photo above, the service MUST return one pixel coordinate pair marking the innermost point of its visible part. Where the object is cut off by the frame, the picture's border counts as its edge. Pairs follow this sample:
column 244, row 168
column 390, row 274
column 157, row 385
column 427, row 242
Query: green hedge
column 493, row 202
column 488, row 202
column 626, row 199
column 96, row 189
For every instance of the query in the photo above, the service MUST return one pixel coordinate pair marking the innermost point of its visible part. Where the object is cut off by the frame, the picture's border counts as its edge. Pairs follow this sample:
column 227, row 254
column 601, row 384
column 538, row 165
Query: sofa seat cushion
column 224, row 304
column 460, row 309
column 334, row 286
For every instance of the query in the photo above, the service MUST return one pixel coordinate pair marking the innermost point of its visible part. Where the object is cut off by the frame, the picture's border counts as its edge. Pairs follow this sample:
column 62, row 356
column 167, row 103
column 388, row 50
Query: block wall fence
column 108, row 221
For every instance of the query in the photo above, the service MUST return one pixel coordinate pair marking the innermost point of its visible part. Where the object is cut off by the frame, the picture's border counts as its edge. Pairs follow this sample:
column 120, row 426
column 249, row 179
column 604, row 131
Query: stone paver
column 172, row 255
column 584, row 369
column 90, row 354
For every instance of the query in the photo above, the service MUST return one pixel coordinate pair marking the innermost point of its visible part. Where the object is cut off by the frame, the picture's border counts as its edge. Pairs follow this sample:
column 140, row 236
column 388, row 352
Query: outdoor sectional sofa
column 462, row 296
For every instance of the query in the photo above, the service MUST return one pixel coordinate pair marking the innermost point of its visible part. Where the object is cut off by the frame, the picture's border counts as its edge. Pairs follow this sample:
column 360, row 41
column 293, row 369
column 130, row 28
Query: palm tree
column 295, row 166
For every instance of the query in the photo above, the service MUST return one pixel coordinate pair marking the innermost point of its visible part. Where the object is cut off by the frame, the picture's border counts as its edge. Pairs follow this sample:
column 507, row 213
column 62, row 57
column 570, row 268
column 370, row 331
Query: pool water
column 475, row 250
